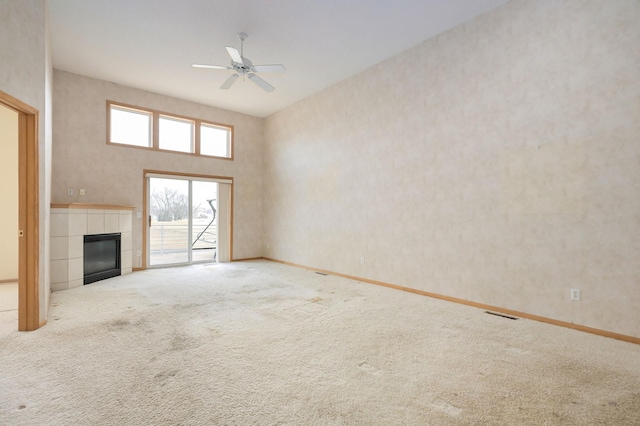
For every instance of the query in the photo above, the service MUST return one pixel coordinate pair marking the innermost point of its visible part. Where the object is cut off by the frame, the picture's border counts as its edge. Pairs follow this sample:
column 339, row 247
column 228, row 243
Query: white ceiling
column 151, row 44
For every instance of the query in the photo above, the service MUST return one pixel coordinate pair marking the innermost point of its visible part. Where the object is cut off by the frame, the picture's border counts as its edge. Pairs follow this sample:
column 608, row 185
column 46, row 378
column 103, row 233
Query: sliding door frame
column 178, row 175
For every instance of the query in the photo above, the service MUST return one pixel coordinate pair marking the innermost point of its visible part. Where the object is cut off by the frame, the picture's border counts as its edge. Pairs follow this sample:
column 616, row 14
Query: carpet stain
column 182, row 343
column 164, row 376
column 445, row 407
column 365, row 366
column 179, row 343
column 316, row 300
column 215, row 332
column 181, row 307
column 118, row 324
column 517, row 350
column 251, row 290
column 626, row 410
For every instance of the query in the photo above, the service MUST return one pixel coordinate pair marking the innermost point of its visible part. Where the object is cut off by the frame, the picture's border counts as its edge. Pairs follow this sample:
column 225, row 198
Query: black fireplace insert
column 101, row 257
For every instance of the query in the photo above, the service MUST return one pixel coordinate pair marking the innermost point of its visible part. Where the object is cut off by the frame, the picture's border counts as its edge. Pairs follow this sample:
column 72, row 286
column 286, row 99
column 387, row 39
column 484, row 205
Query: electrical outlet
column 138, row 253
column 362, row 259
column 82, row 192
column 575, row 294
column 70, row 191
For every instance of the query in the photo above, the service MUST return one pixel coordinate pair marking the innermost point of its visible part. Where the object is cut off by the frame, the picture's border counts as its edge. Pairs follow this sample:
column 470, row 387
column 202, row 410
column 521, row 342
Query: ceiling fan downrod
column 242, row 37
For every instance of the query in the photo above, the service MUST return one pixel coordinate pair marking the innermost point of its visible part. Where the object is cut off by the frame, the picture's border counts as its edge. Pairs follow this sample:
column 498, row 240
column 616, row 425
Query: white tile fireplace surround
column 70, row 223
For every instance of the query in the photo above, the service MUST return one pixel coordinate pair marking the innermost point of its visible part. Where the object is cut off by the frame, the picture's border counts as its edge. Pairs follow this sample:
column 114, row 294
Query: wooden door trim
column 28, row 216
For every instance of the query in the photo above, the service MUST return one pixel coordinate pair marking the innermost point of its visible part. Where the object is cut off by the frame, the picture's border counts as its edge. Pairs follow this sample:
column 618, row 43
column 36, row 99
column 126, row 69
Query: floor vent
column 501, row 315
column 322, row 273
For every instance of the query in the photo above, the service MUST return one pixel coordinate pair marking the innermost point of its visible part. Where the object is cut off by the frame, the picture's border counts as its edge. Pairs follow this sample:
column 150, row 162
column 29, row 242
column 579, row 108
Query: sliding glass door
column 204, row 234
column 169, row 221
column 183, row 220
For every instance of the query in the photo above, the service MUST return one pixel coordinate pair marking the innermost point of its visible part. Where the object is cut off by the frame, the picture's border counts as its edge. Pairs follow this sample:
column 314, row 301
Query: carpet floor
column 9, row 297
column 267, row 344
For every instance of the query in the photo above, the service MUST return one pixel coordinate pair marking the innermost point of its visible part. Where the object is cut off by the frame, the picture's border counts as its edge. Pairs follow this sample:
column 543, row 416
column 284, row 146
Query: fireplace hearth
column 101, row 257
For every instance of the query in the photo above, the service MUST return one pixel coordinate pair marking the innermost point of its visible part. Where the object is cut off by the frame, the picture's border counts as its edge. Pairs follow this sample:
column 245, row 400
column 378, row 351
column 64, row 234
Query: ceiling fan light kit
column 244, row 67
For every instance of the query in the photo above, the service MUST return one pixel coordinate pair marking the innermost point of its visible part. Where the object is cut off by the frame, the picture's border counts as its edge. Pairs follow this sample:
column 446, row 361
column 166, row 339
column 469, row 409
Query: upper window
column 130, row 126
column 151, row 129
column 215, row 140
column 175, row 134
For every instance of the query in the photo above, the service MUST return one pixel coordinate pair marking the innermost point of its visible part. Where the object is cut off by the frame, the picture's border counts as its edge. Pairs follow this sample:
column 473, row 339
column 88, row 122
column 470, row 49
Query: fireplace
column 101, row 257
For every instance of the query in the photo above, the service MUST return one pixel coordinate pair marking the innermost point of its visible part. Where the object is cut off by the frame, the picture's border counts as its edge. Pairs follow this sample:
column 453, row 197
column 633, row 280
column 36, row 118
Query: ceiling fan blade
column 260, row 82
column 270, row 68
column 235, row 55
column 229, row 81
column 213, row 67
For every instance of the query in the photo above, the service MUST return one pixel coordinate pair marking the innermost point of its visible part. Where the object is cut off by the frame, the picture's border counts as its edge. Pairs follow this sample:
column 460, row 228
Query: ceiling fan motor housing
column 243, row 68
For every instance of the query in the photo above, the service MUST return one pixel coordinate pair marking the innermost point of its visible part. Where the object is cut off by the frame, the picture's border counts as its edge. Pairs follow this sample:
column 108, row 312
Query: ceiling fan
column 244, row 67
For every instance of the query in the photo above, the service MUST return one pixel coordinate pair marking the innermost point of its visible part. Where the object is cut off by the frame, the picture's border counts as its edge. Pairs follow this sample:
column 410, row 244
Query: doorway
column 9, row 215
column 27, row 229
column 187, row 219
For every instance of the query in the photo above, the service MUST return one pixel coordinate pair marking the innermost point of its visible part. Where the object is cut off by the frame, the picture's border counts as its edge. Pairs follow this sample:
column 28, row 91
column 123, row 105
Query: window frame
column 155, row 130
column 192, row 135
column 229, row 142
column 122, row 108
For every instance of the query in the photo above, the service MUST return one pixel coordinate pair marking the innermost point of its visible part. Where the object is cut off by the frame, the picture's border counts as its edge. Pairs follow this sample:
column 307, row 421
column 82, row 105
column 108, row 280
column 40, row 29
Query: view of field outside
column 170, row 241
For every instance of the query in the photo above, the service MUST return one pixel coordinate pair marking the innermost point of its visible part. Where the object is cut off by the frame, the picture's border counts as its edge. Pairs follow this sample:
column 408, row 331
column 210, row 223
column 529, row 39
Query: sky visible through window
column 214, row 141
column 176, row 135
column 130, row 127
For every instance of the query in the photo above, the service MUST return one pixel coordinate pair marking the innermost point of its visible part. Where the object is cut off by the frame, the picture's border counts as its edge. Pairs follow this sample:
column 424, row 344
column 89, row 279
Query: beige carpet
column 263, row 343
column 9, row 306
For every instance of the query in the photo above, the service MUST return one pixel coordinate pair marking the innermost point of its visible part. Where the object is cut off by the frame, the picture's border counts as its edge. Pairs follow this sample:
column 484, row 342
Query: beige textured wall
column 25, row 74
column 113, row 174
column 497, row 163
column 9, row 194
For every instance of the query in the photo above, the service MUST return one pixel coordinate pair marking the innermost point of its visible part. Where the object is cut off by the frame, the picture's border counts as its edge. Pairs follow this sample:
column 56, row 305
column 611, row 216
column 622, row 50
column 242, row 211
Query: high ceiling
column 151, row 44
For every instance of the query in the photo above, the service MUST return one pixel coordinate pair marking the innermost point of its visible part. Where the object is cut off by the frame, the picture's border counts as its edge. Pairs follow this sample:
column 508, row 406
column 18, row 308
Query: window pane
column 175, row 134
column 214, row 141
column 130, row 127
